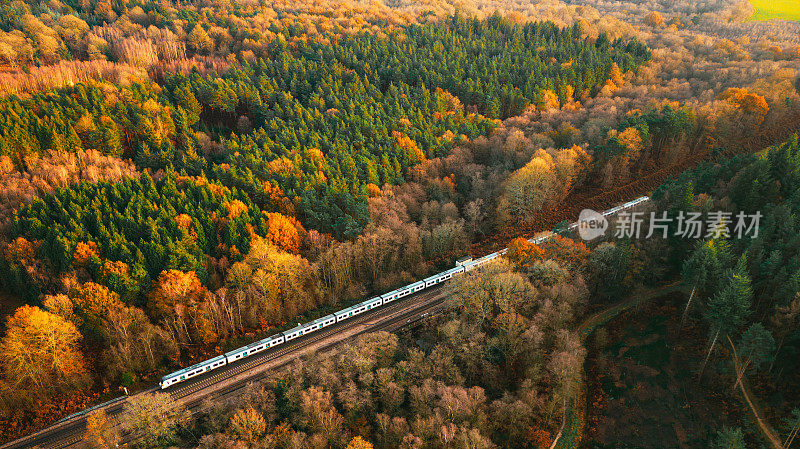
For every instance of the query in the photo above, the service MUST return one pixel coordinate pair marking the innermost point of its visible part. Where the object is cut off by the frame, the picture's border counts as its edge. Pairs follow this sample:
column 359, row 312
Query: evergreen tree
column 727, row 311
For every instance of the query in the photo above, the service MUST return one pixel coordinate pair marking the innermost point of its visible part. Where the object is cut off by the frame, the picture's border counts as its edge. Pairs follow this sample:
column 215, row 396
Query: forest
column 499, row 367
column 183, row 177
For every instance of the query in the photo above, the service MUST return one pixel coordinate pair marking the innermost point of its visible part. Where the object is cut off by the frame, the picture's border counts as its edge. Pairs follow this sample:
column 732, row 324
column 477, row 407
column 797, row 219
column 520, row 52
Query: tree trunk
column 739, row 368
column 791, row 436
column 713, row 343
column 772, row 363
column 686, row 310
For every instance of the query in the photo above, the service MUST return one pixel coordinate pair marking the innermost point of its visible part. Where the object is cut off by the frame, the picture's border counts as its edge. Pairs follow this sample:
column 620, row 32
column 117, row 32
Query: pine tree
column 728, row 310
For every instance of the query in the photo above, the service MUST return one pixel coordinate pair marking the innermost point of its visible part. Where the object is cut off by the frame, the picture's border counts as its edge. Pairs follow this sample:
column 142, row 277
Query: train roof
column 320, row 320
column 296, row 328
column 193, row 367
column 253, row 344
column 348, row 309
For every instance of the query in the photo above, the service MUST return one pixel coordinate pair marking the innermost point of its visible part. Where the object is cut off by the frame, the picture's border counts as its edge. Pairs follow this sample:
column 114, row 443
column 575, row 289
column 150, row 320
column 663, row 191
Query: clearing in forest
column 776, row 9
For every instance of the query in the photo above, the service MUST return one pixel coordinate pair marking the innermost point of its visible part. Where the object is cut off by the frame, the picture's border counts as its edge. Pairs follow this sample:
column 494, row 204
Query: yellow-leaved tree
column 40, row 351
column 248, row 424
column 547, row 178
column 101, row 432
column 359, row 443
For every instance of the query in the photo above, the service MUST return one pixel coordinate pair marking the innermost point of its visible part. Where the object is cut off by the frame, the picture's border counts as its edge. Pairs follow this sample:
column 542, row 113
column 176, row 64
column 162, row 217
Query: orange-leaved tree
column 40, row 351
column 284, row 232
column 524, row 253
column 178, row 299
column 248, row 424
column 174, row 292
column 93, row 302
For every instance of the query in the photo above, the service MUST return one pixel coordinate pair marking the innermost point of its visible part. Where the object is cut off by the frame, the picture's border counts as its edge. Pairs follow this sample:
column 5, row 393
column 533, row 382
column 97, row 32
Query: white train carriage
column 319, row 323
column 302, row 329
column 391, row 296
column 433, row 280
column 373, row 303
column 417, row 286
column 192, row 371
column 253, row 348
column 476, row 263
column 350, row 312
column 397, row 294
column 471, row 265
column 463, row 261
column 443, row 276
column 294, row 332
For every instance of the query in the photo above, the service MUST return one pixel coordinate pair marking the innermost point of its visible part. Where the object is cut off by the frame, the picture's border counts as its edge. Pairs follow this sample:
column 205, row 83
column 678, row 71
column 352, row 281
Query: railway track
column 402, row 313
column 69, row 434
column 570, row 208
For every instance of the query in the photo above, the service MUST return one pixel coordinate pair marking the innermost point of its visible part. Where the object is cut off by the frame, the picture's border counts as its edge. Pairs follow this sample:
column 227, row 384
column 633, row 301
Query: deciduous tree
column 101, row 431
column 41, row 350
column 154, row 417
column 248, row 424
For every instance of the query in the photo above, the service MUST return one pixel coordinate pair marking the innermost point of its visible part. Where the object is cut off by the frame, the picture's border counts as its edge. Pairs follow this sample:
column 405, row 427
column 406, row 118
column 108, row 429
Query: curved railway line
column 68, row 432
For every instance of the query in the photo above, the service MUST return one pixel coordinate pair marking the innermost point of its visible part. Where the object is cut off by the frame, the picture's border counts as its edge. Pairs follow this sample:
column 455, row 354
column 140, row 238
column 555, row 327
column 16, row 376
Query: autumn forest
column 180, row 178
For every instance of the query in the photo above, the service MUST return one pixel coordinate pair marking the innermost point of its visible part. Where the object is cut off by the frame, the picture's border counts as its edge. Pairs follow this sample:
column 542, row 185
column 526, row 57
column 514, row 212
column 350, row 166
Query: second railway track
column 395, row 316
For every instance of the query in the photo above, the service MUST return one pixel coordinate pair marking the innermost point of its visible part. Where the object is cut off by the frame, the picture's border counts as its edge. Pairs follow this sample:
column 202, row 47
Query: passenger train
column 345, row 314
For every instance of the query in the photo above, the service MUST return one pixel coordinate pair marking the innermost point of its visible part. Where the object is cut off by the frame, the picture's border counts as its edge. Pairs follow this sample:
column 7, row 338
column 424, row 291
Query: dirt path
column 571, row 432
column 573, row 420
column 756, row 410
column 591, row 323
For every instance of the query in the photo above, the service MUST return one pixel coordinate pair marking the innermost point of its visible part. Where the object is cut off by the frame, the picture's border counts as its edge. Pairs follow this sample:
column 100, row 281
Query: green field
column 776, row 9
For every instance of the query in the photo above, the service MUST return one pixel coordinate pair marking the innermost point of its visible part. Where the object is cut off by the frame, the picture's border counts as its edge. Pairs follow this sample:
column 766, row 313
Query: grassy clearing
column 776, row 9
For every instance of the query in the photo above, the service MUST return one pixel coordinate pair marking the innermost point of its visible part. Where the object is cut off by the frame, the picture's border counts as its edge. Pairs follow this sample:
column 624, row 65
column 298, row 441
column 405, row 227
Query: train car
column 394, row 294
column 319, row 323
column 417, row 286
column 443, row 276
column 373, row 303
column 252, row 348
column 433, row 280
column 307, row 328
column 391, row 296
column 471, row 264
column 397, row 294
column 294, row 332
column 192, row 371
column 463, row 261
column 482, row 260
column 350, row 312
